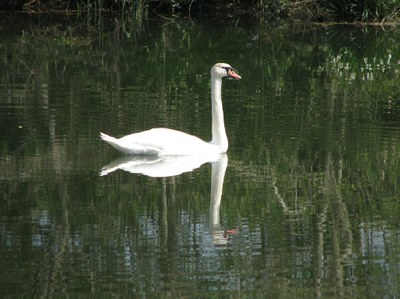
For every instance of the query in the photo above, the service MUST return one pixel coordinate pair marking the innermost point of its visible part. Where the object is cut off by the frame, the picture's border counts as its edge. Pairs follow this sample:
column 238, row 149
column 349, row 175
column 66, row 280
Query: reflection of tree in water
column 330, row 150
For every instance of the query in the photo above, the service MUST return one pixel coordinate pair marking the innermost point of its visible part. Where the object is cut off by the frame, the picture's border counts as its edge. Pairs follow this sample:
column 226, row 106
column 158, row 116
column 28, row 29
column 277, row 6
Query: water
column 305, row 203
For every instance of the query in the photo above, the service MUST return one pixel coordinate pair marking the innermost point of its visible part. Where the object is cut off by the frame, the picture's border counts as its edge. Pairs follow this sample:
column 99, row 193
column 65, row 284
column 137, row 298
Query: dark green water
column 310, row 202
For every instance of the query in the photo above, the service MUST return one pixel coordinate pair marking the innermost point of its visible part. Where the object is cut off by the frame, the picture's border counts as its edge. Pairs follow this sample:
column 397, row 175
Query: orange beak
column 232, row 74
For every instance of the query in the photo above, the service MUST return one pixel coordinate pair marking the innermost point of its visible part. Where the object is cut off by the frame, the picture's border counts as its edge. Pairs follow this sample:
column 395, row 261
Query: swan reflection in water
column 167, row 166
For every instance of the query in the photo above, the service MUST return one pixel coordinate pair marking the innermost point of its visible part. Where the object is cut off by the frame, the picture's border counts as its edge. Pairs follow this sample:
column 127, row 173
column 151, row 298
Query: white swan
column 163, row 141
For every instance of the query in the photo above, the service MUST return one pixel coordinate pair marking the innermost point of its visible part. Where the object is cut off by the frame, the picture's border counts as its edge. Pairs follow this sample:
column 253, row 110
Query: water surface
column 305, row 203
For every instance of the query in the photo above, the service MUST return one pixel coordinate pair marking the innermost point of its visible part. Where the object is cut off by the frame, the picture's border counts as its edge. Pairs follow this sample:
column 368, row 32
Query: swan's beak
column 232, row 74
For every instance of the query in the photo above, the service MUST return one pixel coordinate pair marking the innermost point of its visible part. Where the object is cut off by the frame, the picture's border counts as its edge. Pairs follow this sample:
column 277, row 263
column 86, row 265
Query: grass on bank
column 360, row 11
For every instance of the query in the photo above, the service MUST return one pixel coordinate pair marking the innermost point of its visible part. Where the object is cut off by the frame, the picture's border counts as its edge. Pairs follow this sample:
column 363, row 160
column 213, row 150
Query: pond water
column 304, row 204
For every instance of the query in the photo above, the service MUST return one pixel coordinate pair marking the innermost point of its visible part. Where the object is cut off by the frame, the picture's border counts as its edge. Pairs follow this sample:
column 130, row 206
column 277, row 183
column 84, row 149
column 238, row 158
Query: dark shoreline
column 279, row 12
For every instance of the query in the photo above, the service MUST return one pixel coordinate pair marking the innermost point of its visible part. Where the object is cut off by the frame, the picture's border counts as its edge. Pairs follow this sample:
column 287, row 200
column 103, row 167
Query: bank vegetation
column 353, row 11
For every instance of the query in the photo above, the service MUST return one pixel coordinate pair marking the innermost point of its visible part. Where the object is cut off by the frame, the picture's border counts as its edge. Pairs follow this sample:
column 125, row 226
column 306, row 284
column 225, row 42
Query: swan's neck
column 218, row 127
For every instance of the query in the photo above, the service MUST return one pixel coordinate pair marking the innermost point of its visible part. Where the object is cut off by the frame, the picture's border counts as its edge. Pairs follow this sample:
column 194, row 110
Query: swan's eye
column 227, row 69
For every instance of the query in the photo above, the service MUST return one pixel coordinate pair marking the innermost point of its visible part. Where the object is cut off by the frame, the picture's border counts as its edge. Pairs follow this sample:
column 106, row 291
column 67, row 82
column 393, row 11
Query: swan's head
column 222, row 70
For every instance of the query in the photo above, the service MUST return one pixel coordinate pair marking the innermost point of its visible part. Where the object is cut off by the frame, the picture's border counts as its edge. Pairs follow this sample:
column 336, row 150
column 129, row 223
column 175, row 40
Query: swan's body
column 164, row 141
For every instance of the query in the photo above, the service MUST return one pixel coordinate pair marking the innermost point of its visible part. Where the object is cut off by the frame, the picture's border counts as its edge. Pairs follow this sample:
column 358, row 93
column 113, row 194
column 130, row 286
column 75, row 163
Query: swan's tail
column 113, row 142
column 109, row 139
column 128, row 147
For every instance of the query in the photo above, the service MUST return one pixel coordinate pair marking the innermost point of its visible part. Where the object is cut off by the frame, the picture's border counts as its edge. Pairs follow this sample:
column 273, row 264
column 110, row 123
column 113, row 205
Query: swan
column 169, row 142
